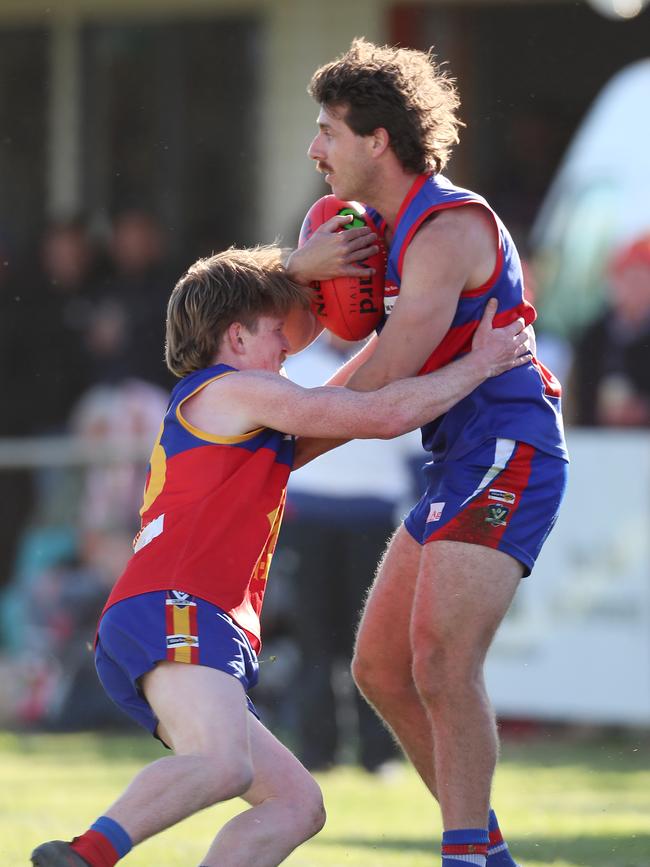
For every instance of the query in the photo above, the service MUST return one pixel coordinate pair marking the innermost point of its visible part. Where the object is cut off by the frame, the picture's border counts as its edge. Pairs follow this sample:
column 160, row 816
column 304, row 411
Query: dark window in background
column 23, row 119
column 170, row 114
column 527, row 75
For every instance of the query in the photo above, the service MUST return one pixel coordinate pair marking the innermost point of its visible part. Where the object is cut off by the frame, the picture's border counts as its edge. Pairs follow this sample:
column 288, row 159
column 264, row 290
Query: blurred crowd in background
column 83, row 353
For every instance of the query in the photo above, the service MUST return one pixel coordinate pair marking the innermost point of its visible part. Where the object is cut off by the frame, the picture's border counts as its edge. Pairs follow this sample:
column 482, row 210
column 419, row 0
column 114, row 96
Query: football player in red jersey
column 178, row 639
column 387, row 123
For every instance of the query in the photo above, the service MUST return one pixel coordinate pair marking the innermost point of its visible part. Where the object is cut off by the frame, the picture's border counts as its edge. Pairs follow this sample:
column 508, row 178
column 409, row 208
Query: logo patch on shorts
column 501, row 496
column 179, row 598
column 435, row 512
column 182, row 641
column 496, row 515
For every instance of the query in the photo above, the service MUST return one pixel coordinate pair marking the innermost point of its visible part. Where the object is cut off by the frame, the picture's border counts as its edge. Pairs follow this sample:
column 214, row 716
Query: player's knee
column 365, row 675
column 230, row 776
column 427, row 678
column 443, row 672
column 432, row 670
column 379, row 686
column 307, row 810
column 240, row 777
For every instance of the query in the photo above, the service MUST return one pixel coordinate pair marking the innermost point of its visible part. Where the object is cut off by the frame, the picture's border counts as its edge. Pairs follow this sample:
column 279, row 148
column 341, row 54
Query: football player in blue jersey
column 387, row 123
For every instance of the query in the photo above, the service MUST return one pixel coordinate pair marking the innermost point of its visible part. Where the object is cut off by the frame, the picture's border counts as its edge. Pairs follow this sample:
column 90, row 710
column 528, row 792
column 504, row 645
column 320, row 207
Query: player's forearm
column 402, row 406
column 347, row 370
column 309, row 448
column 414, row 402
column 369, row 376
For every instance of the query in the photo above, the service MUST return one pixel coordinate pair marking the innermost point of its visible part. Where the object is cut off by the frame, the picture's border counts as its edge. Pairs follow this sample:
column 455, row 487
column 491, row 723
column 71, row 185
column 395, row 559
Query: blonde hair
column 400, row 89
column 237, row 285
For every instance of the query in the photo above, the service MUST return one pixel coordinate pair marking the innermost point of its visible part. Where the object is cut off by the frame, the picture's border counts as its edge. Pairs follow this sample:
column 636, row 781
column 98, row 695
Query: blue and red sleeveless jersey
column 211, row 513
column 522, row 404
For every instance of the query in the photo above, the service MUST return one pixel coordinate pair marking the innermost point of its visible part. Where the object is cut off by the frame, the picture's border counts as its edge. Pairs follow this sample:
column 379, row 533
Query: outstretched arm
column 246, row 400
column 494, row 351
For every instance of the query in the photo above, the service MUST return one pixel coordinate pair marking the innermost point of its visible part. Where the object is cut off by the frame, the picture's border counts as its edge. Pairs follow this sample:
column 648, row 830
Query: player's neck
column 387, row 197
column 228, row 358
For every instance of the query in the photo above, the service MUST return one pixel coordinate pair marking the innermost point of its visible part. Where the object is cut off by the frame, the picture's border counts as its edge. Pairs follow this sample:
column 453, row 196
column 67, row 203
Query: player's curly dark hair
column 400, row 89
column 236, row 285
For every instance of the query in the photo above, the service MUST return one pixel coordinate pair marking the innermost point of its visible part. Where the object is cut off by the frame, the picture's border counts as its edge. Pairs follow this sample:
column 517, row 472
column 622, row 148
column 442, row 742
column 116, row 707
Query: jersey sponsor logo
column 391, row 294
column 179, row 598
column 501, row 496
column 496, row 515
column 182, row 641
column 435, row 512
column 149, row 533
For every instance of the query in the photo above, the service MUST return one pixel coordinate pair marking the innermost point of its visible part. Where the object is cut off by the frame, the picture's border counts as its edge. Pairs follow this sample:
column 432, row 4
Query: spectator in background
column 611, row 373
column 111, row 416
column 45, row 309
column 341, row 511
column 127, row 331
column 69, row 559
column 52, row 318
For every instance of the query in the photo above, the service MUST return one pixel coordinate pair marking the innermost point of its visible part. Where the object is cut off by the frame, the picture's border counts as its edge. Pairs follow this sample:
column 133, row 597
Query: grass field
column 561, row 803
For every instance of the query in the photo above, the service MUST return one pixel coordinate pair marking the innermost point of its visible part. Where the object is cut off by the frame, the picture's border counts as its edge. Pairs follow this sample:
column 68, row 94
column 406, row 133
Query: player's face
column 267, row 347
column 341, row 155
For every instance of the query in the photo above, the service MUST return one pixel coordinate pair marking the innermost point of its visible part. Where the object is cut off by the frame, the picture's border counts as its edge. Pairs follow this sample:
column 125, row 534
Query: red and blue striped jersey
column 522, row 404
column 211, row 513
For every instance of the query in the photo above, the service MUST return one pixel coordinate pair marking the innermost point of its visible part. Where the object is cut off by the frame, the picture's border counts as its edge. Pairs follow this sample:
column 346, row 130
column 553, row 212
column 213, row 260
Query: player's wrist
column 479, row 362
column 294, row 266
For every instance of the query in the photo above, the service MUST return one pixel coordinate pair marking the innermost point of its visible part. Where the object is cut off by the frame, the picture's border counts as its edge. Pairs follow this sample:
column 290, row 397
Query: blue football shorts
column 136, row 633
column 504, row 495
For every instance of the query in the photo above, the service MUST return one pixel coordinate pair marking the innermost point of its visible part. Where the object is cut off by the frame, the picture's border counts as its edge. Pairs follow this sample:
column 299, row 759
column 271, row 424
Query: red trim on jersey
column 552, row 386
column 470, row 524
column 455, row 342
column 492, row 279
column 458, row 340
column 417, row 185
column 446, row 206
column 524, row 309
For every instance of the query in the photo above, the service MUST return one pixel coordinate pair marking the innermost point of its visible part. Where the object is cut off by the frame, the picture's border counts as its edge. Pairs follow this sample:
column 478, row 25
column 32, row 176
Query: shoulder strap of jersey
column 428, row 194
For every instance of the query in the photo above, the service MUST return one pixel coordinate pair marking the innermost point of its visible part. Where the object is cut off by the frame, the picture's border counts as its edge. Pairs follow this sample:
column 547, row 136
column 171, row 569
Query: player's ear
column 380, row 141
column 235, row 337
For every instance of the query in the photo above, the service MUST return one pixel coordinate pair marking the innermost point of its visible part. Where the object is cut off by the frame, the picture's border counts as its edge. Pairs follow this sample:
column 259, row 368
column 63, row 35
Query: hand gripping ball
column 350, row 307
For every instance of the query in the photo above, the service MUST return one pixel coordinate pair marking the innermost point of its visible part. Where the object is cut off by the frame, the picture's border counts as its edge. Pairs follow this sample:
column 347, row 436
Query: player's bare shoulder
column 461, row 243
column 224, row 407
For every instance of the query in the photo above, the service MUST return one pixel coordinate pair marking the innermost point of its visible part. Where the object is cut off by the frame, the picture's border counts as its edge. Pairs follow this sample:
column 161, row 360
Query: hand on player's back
column 501, row 349
column 332, row 253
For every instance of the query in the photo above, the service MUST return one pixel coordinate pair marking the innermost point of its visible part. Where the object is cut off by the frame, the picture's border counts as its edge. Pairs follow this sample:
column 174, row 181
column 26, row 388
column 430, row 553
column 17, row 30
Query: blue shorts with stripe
column 136, row 633
column 504, row 495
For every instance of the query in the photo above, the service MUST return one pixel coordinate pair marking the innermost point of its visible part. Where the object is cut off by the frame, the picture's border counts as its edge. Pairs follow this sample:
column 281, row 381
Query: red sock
column 96, row 849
